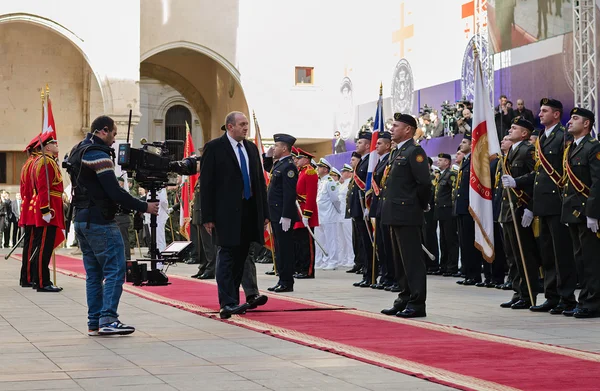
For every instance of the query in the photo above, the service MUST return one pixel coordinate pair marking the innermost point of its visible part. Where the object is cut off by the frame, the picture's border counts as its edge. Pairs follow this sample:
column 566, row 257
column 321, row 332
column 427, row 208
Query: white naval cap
column 324, row 163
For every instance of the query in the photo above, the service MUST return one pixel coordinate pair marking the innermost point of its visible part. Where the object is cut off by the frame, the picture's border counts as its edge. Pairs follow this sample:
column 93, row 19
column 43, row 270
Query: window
column 304, row 75
column 3, row 167
column 175, row 121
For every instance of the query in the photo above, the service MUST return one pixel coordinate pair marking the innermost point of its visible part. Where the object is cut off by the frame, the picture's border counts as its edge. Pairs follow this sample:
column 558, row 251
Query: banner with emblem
column 483, row 145
column 187, row 188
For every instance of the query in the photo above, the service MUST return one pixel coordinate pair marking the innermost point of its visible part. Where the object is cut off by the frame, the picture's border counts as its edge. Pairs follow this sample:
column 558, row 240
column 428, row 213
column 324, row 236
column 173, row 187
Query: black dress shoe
column 561, row 308
column 411, row 313
column 438, row 273
column 196, row 275
column 448, row 274
column 509, row 303
column 358, row 283
column 584, row 313
column 470, row 282
column 283, row 288
column 480, row 284
column 396, row 288
column 360, row 271
column 26, row 285
column 364, row 284
column 270, row 272
column 206, row 276
column 256, row 300
column 353, row 270
column 49, row 288
column 545, row 307
column 379, row 286
column 521, row 305
column 395, row 309
column 569, row 312
column 490, row 284
column 228, row 310
column 303, row 276
column 272, row 288
column 507, row 286
column 388, row 288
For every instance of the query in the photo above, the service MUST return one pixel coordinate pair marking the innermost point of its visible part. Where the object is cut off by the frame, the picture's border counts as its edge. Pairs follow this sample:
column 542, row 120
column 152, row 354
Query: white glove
column 592, row 224
column 269, row 152
column 170, row 210
column 47, row 217
column 305, row 221
column 285, row 223
column 366, row 212
column 428, row 208
column 508, row 181
column 527, row 218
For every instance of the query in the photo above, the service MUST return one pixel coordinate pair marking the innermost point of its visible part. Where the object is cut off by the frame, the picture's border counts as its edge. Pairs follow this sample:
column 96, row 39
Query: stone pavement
column 44, row 343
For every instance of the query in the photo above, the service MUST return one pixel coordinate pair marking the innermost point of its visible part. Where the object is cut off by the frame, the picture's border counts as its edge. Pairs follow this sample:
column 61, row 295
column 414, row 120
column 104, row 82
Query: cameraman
column 465, row 123
column 96, row 195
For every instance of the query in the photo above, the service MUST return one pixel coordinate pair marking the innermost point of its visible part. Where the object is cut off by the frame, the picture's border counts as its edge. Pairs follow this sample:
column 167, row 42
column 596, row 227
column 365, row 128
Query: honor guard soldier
column 471, row 258
column 581, row 208
column 48, row 211
column 358, row 260
column 443, row 214
column 407, row 192
column 358, row 210
column 556, row 250
column 430, row 237
column 283, row 212
column 306, row 194
column 27, row 217
column 519, row 163
column 383, row 246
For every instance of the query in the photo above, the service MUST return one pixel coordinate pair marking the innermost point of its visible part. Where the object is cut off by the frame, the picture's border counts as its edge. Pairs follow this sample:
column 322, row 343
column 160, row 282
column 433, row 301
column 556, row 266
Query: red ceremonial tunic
column 306, row 191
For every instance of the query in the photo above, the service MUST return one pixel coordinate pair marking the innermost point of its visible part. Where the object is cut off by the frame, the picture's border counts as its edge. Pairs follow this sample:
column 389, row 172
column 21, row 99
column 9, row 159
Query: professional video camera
column 426, row 109
column 154, row 168
column 449, row 117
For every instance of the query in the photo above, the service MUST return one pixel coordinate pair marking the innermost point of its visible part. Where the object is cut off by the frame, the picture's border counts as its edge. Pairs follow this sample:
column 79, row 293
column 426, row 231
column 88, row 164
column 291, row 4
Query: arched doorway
column 175, row 128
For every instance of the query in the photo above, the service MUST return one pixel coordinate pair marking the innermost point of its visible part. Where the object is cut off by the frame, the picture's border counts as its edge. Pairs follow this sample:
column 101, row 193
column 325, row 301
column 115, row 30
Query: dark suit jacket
column 584, row 160
column 520, row 162
column 546, row 194
column 407, row 189
column 496, row 171
column 340, row 146
column 222, row 188
column 443, row 195
column 461, row 192
column 356, row 194
column 375, row 210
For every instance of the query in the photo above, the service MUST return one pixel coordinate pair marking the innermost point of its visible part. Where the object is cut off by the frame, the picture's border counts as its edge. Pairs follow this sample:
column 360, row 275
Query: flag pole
column 374, row 222
column 272, row 247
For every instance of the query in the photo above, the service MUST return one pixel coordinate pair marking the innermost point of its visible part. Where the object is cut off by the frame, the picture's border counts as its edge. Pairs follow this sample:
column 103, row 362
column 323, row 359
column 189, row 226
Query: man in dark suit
column 357, row 207
column 234, row 205
column 556, row 249
column 443, row 214
column 340, row 144
column 519, row 163
column 282, row 207
column 581, row 209
column 383, row 238
column 521, row 111
column 406, row 194
column 470, row 257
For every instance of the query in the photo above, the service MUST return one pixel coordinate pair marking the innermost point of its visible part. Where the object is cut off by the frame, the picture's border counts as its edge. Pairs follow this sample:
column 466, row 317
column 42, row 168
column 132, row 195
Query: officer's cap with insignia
column 302, row 153
column 385, row 135
column 294, row 152
column 347, row 168
column 580, row 111
column 356, row 154
column 336, row 171
column 284, row 138
column 468, row 136
column 364, row 136
column 324, row 163
column 536, row 132
column 521, row 121
column 445, row 156
column 406, row 118
column 554, row 103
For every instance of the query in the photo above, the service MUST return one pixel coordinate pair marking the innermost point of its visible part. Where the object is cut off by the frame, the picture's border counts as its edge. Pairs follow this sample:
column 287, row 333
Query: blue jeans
column 104, row 260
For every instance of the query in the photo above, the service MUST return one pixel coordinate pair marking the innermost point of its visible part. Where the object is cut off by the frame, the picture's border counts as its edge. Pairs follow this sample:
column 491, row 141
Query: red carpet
column 452, row 356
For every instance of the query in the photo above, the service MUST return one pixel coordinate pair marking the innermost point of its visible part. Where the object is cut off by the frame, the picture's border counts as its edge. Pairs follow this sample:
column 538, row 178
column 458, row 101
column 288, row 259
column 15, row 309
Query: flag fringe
column 489, row 259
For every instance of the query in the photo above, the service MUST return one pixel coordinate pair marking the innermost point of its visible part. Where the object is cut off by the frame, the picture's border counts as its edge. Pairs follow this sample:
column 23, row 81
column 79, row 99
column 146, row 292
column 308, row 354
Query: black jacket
column 281, row 193
column 461, row 191
column 222, row 188
column 355, row 206
column 375, row 210
column 520, row 163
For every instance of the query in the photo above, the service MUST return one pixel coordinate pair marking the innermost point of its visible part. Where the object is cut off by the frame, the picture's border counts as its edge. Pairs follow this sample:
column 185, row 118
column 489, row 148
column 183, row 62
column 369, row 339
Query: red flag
column 261, row 149
column 484, row 144
column 187, row 190
column 48, row 125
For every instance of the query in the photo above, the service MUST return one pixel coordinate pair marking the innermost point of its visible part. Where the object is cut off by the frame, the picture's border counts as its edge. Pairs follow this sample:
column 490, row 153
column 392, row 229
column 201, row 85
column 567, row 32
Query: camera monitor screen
column 514, row 23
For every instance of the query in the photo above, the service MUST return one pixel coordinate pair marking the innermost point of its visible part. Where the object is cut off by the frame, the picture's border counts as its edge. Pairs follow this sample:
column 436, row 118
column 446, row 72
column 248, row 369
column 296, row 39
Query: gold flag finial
column 380, row 88
column 47, row 89
column 42, row 94
column 253, row 114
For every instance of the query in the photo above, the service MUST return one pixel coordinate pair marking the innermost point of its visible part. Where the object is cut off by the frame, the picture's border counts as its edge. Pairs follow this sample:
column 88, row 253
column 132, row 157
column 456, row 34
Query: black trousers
column 357, row 246
column 386, row 254
column 364, row 235
column 27, row 272
column 123, row 222
column 494, row 272
column 471, row 257
column 587, row 244
column 43, row 243
column 411, row 269
column 449, row 245
column 558, row 261
column 304, row 249
column 11, row 226
column 530, row 253
column 431, row 241
column 284, row 254
column 231, row 259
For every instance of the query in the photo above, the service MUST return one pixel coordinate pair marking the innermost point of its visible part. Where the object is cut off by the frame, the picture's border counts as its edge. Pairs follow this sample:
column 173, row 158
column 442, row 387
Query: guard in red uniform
column 48, row 212
column 306, row 190
column 26, row 217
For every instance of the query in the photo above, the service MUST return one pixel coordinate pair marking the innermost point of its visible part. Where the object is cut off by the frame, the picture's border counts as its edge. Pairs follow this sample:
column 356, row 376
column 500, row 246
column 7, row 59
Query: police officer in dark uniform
column 443, row 214
column 470, row 257
column 407, row 192
column 581, row 208
column 383, row 238
column 357, row 206
column 558, row 262
column 519, row 163
column 282, row 207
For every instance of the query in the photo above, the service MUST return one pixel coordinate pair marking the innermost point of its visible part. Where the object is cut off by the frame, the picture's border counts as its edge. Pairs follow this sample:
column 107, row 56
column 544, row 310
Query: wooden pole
column 373, row 278
column 272, row 248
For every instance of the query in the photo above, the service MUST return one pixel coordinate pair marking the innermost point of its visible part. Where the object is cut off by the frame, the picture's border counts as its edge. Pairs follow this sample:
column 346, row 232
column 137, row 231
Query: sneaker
column 93, row 332
column 115, row 328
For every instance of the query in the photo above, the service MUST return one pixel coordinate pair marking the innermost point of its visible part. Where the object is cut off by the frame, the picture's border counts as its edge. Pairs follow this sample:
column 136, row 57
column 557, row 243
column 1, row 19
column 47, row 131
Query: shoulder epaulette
column 311, row 171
